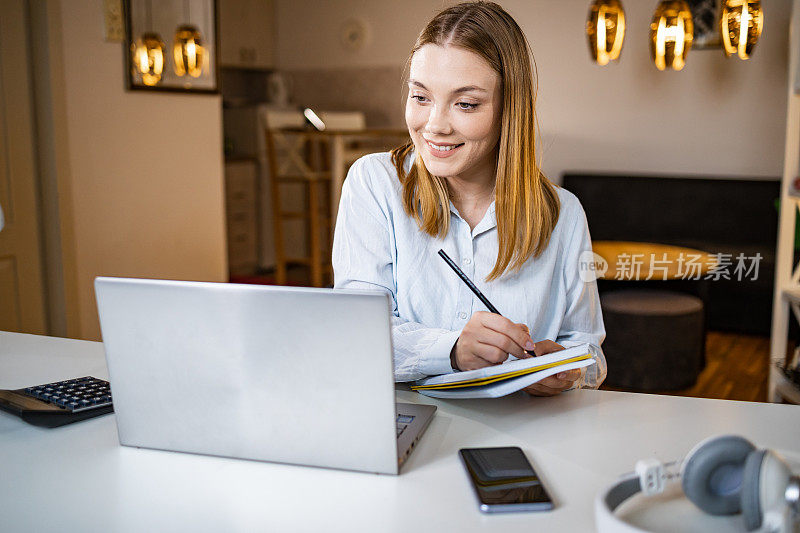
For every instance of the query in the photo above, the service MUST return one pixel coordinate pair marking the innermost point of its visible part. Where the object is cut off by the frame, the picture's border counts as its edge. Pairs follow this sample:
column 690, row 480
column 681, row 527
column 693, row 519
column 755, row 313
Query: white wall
column 145, row 169
column 717, row 116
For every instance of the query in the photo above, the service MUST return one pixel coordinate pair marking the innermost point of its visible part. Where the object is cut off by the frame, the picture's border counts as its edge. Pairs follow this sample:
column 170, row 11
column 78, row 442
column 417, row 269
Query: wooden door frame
column 57, row 223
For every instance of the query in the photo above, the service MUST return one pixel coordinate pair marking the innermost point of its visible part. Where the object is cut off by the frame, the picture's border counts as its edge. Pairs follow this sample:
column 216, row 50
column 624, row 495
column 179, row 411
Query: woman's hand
column 487, row 339
column 552, row 385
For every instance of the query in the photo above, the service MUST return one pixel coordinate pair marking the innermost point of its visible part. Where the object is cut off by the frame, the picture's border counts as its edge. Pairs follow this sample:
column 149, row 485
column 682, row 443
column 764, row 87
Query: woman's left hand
column 552, row 385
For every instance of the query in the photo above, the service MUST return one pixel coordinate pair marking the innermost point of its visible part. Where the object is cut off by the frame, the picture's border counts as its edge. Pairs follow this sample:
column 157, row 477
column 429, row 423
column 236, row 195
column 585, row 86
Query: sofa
column 713, row 214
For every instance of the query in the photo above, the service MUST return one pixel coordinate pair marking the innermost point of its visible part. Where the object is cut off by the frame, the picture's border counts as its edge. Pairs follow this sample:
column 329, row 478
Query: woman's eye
column 466, row 106
column 418, row 98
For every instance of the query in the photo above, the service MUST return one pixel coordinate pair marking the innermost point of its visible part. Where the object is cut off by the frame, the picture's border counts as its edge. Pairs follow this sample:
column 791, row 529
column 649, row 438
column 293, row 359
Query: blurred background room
column 209, row 140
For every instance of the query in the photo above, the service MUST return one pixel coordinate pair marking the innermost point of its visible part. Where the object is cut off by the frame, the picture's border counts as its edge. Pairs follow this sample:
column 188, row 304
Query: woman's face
column 453, row 111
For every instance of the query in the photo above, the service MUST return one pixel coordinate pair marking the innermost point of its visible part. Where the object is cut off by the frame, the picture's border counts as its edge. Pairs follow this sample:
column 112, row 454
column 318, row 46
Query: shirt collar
column 489, row 220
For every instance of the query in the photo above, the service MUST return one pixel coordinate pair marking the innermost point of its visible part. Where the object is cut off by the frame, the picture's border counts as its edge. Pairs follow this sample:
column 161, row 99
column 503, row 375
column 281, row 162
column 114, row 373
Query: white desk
column 78, row 477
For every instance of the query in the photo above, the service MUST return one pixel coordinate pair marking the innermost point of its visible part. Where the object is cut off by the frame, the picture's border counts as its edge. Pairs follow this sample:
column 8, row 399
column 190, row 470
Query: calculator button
column 75, row 394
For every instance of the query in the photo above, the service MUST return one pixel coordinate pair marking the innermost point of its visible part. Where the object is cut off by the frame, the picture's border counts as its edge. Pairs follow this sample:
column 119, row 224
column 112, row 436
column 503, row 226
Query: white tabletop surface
column 78, row 477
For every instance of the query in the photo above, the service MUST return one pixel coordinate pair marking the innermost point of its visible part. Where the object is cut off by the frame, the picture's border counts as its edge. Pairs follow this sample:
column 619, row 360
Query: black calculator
column 59, row 403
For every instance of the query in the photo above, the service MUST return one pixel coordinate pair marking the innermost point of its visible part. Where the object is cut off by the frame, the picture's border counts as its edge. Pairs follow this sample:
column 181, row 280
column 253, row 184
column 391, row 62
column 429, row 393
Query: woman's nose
column 439, row 122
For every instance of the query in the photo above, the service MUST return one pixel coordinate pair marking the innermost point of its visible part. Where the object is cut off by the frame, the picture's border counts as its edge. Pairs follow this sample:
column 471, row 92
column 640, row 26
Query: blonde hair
column 526, row 202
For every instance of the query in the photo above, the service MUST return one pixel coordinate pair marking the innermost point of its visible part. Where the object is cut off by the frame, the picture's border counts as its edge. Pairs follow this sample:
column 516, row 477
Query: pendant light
column 741, row 24
column 148, row 54
column 188, row 48
column 671, row 34
column 605, row 28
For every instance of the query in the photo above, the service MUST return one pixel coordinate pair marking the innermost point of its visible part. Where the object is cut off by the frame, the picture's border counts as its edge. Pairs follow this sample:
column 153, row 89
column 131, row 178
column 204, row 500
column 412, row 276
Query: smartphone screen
column 504, row 480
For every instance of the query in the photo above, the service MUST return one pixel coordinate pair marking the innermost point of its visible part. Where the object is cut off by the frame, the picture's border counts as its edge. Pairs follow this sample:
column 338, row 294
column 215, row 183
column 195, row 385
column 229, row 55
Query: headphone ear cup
column 751, row 488
column 712, row 474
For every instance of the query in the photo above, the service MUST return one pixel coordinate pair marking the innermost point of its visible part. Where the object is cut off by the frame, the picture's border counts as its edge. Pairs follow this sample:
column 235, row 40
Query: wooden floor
column 736, row 369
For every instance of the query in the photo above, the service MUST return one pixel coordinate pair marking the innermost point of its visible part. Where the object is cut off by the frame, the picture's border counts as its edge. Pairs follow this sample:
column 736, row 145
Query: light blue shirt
column 378, row 246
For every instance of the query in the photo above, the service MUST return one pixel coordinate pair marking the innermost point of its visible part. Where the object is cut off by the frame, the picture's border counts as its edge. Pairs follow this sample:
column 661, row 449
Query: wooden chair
column 289, row 161
column 299, row 157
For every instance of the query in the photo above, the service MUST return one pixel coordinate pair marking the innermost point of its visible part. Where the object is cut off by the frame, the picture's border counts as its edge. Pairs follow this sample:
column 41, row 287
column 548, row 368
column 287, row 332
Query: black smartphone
column 504, row 480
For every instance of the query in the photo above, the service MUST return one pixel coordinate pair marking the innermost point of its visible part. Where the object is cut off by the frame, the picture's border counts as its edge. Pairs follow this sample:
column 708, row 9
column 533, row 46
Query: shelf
column 787, row 306
column 785, row 388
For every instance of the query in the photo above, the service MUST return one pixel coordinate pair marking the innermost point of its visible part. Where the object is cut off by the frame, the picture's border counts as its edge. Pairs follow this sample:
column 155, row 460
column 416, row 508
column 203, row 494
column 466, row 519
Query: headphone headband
column 712, row 474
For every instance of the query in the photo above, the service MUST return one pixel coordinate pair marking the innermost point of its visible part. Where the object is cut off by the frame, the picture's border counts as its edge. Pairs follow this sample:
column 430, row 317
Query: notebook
column 511, row 376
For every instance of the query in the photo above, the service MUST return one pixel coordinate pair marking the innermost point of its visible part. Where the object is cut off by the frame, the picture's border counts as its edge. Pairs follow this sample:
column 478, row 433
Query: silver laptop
column 284, row 374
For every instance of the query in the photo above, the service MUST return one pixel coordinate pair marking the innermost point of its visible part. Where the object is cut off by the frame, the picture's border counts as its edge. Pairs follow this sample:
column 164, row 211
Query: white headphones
column 722, row 475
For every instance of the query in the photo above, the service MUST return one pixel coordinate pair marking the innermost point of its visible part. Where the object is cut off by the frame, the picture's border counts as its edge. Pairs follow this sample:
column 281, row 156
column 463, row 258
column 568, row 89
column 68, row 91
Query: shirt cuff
column 436, row 359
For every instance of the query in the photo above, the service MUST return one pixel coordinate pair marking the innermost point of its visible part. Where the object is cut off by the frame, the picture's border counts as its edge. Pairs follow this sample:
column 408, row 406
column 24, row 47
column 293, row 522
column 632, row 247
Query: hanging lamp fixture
column 148, row 53
column 187, row 48
column 605, row 28
column 188, row 51
column 741, row 23
column 671, row 34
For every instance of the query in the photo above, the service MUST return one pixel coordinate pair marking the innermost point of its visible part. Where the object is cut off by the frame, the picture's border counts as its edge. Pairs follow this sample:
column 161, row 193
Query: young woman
column 468, row 182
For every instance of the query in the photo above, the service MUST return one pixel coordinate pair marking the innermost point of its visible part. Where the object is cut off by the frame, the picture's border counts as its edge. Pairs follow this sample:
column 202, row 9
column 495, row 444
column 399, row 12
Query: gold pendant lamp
column 605, row 28
column 188, row 51
column 671, row 34
column 147, row 53
column 741, row 24
column 148, row 57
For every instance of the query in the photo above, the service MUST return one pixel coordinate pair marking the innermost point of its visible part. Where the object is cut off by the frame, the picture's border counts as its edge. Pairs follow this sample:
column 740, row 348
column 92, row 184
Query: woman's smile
column 442, row 149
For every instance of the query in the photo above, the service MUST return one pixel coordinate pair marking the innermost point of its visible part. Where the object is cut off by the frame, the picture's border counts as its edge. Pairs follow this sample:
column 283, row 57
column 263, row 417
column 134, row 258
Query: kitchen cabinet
column 246, row 33
column 241, row 194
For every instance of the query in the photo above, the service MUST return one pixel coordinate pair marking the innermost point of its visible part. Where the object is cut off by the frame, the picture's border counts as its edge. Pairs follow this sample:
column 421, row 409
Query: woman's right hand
column 487, row 339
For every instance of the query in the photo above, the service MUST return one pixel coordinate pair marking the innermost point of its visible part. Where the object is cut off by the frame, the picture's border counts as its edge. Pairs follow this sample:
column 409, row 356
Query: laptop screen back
column 284, row 374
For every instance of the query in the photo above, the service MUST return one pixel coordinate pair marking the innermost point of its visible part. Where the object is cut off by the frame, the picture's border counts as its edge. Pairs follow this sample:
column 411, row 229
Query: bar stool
column 296, row 156
column 289, row 151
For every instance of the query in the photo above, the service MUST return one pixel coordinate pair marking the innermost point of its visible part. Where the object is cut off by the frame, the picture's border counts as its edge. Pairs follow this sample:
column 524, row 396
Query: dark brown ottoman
column 655, row 340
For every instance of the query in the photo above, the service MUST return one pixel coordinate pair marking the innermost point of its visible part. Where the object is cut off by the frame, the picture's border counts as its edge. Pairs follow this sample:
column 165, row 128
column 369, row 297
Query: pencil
column 472, row 287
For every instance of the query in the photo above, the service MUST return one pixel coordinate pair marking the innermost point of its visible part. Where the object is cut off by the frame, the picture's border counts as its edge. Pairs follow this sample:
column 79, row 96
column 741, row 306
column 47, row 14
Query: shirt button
column 467, row 261
column 462, row 315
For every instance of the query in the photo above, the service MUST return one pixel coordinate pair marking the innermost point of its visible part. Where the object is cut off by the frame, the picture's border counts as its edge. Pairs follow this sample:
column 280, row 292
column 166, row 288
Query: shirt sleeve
column 364, row 258
column 583, row 318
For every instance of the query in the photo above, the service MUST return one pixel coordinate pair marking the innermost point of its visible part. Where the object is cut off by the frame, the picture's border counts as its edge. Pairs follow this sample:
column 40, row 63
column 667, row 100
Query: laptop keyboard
column 403, row 421
column 80, row 394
